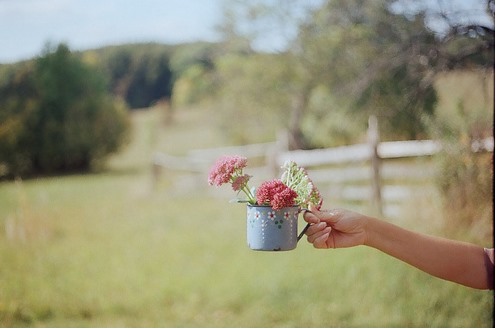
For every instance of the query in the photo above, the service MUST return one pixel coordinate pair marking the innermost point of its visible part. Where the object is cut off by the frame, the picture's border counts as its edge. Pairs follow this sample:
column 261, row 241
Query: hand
column 337, row 228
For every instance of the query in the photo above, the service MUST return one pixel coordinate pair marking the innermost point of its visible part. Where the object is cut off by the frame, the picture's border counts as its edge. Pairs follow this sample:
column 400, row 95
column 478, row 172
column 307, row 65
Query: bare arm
column 456, row 261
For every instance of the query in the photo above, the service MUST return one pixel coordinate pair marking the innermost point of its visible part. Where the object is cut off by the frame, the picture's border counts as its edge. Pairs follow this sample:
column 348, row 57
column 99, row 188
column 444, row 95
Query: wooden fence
column 378, row 174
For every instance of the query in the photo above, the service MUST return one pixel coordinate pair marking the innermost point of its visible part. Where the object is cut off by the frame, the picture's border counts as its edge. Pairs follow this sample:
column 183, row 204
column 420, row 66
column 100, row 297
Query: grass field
column 104, row 250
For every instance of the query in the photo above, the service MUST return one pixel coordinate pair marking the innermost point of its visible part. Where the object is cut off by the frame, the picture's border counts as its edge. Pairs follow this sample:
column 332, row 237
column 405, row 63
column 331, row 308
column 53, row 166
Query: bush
column 56, row 116
column 466, row 177
column 466, row 183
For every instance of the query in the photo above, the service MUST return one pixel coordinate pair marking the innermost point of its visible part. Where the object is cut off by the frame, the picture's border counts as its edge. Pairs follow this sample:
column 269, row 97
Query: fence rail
column 357, row 172
column 249, row 151
column 337, row 155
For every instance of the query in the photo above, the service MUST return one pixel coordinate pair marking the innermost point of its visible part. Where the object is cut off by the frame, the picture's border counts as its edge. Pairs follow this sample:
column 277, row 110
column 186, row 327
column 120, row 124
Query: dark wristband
column 489, row 263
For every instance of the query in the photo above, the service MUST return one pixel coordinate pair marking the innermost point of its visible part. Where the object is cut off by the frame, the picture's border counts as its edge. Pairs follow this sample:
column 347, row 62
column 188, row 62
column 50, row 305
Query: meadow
column 107, row 250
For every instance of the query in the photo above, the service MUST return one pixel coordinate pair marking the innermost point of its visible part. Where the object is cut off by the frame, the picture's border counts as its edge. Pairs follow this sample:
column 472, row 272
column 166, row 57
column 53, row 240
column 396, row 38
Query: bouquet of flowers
column 294, row 188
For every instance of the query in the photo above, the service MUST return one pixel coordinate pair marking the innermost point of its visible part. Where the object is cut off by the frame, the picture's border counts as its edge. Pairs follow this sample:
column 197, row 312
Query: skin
column 455, row 261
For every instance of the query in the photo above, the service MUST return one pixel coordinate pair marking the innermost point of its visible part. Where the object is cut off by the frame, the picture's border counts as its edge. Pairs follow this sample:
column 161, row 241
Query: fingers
column 318, row 235
column 319, row 231
column 322, row 241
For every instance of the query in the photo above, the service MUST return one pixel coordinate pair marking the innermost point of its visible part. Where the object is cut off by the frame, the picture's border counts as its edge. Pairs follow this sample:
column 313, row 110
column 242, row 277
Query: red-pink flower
column 226, row 169
column 276, row 194
column 240, row 182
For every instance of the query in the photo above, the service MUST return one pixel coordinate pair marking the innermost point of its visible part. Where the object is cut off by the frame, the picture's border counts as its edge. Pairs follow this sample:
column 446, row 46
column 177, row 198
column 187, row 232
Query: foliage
column 364, row 52
column 466, row 175
column 466, row 183
column 57, row 116
column 465, row 34
column 253, row 89
column 385, row 61
column 143, row 74
column 194, row 85
column 201, row 54
column 140, row 74
column 331, row 123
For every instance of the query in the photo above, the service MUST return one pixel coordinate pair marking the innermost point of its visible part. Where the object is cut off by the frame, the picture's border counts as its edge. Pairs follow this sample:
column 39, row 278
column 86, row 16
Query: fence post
column 156, row 172
column 373, row 141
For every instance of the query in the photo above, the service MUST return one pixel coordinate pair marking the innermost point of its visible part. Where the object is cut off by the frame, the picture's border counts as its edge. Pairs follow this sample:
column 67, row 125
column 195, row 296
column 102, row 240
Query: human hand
column 337, row 228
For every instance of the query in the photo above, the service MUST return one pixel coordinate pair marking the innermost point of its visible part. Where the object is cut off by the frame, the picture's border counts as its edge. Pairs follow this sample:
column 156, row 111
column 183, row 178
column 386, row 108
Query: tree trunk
column 296, row 139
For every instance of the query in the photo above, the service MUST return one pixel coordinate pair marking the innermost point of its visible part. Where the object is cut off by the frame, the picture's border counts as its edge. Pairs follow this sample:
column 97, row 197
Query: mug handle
column 304, row 210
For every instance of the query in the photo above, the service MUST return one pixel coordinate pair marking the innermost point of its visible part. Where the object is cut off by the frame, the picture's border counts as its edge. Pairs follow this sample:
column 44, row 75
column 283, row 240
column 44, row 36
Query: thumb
column 314, row 208
column 310, row 215
column 313, row 215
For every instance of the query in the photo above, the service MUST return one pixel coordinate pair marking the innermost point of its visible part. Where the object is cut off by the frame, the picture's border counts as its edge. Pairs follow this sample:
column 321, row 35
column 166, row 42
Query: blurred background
column 112, row 112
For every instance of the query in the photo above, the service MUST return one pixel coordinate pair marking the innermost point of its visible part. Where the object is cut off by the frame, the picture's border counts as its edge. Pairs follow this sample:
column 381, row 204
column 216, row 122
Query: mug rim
column 269, row 206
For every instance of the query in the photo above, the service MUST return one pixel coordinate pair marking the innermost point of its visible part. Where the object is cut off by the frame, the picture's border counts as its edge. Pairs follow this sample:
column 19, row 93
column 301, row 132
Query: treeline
column 139, row 74
column 66, row 111
column 142, row 74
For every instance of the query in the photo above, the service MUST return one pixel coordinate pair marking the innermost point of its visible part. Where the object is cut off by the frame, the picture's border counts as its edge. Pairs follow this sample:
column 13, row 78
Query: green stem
column 247, row 192
column 250, row 196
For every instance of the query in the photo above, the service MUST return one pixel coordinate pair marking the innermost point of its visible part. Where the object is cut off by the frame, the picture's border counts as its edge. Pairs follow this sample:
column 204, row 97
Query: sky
column 27, row 25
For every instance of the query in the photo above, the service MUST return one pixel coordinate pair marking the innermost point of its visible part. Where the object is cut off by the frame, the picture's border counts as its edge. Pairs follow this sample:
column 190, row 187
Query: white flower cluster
column 297, row 179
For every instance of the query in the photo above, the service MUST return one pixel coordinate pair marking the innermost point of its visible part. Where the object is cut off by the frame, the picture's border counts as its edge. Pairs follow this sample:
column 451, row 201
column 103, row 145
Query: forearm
column 455, row 261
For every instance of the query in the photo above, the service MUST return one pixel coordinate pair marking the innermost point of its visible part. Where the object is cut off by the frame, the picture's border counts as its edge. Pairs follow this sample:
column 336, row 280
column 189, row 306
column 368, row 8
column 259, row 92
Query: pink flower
column 240, row 182
column 226, row 169
column 276, row 194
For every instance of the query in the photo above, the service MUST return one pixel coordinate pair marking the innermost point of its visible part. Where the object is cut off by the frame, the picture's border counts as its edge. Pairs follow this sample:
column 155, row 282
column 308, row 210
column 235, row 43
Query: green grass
column 104, row 250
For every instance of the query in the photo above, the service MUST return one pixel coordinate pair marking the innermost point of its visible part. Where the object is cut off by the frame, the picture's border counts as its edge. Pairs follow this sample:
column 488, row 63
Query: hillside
column 140, row 73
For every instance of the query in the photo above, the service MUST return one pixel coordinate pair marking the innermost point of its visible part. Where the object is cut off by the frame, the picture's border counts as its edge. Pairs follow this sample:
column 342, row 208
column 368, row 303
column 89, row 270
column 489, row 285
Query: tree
column 17, row 103
column 363, row 52
column 59, row 116
column 140, row 74
column 193, row 67
column 384, row 60
column 257, row 87
column 150, row 81
column 464, row 31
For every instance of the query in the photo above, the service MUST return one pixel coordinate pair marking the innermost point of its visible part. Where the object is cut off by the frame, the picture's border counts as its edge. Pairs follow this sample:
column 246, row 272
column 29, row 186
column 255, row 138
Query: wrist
column 370, row 231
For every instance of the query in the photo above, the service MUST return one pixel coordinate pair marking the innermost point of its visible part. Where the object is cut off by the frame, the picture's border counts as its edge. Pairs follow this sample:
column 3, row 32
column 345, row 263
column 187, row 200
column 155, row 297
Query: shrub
column 466, row 183
column 57, row 116
column 466, row 176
